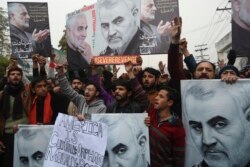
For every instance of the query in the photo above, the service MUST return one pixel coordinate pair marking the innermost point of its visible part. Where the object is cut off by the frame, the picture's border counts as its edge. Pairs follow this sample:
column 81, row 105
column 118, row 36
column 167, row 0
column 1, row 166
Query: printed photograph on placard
column 241, row 27
column 216, row 117
column 30, row 145
column 156, row 16
column 118, row 30
column 29, row 29
column 128, row 140
column 80, row 36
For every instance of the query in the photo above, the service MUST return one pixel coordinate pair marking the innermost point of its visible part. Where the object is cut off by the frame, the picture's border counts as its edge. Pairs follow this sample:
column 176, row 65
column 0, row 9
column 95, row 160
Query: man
column 129, row 95
column 150, row 77
column 89, row 103
column 156, row 38
column 241, row 26
column 21, row 40
column 202, row 70
column 78, row 85
column 32, row 145
column 13, row 111
column 246, row 71
column 216, row 127
column 79, row 52
column 229, row 73
column 118, row 19
column 125, row 150
column 167, row 136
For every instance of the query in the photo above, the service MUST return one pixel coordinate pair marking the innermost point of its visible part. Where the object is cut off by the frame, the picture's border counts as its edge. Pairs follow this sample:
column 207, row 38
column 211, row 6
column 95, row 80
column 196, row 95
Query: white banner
column 76, row 143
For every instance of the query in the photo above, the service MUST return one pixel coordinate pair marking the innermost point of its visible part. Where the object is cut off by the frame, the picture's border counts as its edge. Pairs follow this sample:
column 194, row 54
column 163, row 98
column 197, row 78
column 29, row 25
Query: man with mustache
column 19, row 20
column 87, row 104
column 156, row 38
column 32, row 145
column 129, row 94
column 79, row 52
column 150, row 77
column 119, row 27
column 241, row 26
column 78, row 84
column 13, row 110
column 221, row 133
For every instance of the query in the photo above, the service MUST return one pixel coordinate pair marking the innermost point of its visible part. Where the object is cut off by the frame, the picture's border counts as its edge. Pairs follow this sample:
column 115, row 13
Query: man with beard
column 156, row 38
column 119, row 27
column 32, row 145
column 13, row 111
column 241, row 26
column 78, row 85
column 202, row 70
column 87, row 104
column 129, row 95
column 150, row 78
column 79, row 52
column 218, row 129
column 22, row 40
column 127, row 149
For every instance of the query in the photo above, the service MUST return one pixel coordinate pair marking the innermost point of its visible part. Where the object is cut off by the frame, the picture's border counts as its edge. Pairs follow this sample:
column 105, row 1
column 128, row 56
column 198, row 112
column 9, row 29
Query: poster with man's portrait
column 117, row 28
column 80, row 37
column 29, row 29
column 128, row 140
column 30, row 145
column 216, row 117
column 156, row 16
column 241, row 27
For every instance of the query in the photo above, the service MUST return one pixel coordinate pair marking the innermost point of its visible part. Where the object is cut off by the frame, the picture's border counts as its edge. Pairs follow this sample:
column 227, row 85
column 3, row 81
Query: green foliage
column 4, row 33
column 4, row 62
column 63, row 43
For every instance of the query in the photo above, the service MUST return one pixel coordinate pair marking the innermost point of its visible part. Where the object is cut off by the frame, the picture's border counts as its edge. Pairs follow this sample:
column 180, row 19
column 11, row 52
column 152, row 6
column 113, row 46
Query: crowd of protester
column 81, row 93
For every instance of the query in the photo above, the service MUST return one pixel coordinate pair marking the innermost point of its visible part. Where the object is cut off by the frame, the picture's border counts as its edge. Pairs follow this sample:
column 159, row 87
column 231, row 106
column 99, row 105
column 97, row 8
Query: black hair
column 152, row 71
column 123, row 82
column 175, row 96
column 212, row 64
column 15, row 69
column 37, row 80
column 97, row 87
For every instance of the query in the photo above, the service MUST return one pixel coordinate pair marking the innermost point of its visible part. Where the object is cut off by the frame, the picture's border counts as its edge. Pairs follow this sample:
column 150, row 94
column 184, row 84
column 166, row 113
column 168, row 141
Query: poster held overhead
column 80, row 36
column 156, row 16
column 29, row 29
column 241, row 27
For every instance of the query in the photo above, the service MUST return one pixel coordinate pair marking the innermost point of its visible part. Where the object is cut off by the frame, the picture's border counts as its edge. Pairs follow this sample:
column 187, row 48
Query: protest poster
column 241, row 27
column 117, row 28
column 216, row 120
column 76, row 143
column 166, row 10
column 29, row 29
column 128, row 139
column 30, row 145
column 156, row 14
column 80, row 36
